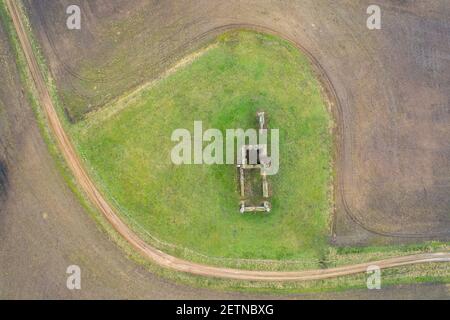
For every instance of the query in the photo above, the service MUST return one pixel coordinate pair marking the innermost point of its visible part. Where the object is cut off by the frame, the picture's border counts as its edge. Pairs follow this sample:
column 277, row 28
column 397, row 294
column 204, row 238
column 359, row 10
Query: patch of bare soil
column 3, row 181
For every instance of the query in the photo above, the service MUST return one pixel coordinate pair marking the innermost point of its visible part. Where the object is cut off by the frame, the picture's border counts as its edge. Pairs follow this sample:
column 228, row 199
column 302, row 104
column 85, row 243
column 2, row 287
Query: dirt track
column 156, row 255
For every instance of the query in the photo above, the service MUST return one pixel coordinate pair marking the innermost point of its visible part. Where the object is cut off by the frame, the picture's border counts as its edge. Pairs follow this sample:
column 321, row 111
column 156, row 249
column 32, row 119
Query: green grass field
column 127, row 148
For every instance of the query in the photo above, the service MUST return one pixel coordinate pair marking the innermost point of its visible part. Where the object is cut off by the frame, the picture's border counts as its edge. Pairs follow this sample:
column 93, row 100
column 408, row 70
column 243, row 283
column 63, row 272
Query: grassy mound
column 127, row 149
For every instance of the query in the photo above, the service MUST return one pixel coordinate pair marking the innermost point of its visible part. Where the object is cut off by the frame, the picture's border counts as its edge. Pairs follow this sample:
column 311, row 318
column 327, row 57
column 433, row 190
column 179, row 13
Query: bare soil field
column 392, row 101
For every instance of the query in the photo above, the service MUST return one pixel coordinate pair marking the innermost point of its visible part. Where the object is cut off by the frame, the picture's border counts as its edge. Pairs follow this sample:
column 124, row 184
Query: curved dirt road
column 153, row 254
